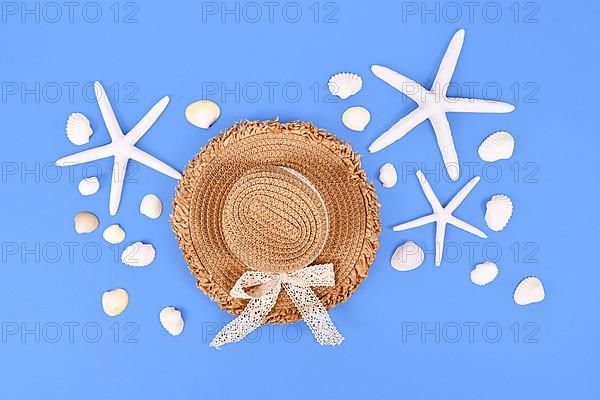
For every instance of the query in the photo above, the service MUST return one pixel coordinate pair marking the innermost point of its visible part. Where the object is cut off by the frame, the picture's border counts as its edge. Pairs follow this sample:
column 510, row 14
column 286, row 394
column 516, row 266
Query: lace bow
column 265, row 288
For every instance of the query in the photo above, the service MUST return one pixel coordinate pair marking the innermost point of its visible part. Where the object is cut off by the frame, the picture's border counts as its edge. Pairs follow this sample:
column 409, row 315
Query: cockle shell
column 88, row 186
column 407, row 257
column 356, row 118
column 138, row 255
column 79, row 129
column 171, row 320
column 498, row 212
column 115, row 301
column 114, row 234
column 529, row 290
column 484, row 273
column 151, row 206
column 86, row 222
column 387, row 175
column 202, row 113
column 344, row 84
column 498, row 146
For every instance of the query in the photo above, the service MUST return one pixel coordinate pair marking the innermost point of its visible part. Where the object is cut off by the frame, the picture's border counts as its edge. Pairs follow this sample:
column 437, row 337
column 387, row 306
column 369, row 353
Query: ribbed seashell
column 115, row 301
column 202, row 113
column 388, row 175
column 529, row 290
column 498, row 212
column 484, row 273
column 86, row 222
column 171, row 320
column 78, row 129
column 356, row 118
column 407, row 257
column 88, row 186
column 151, row 206
column 344, row 84
column 498, row 146
column 114, row 234
column 138, row 255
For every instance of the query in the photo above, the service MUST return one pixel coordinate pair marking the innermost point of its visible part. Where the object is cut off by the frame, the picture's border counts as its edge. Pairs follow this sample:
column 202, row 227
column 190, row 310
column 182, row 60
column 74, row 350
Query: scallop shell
column 498, row 146
column 171, row 320
column 115, row 301
column 356, row 118
column 151, row 206
column 529, row 290
column 78, row 129
column 86, row 222
column 388, row 175
column 484, row 273
column 138, row 255
column 88, row 186
column 344, row 84
column 114, row 234
column 202, row 113
column 498, row 212
column 407, row 257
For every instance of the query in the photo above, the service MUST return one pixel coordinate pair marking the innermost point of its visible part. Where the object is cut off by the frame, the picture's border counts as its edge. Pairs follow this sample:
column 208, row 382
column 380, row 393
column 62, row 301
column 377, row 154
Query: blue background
column 407, row 334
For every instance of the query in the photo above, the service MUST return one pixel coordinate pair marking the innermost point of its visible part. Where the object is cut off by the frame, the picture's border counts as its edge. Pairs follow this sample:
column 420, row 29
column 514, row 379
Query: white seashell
column 86, row 222
column 529, row 290
column 79, row 129
column 484, row 273
column 498, row 212
column 151, row 206
column 387, row 175
column 170, row 319
column 88, row 186
column 202, row 113
column 356, row 118
column 498, row 146
column 115, row 301
column 407, row 257
column 138, row 255
column 344, row 84
column 114, row 234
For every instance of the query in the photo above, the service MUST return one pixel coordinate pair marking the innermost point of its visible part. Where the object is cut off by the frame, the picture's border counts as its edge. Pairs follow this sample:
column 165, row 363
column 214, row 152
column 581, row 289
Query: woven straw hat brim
column 329, row 164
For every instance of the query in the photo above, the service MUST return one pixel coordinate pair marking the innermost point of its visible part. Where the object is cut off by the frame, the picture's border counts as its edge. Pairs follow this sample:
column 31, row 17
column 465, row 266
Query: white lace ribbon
column 265, row 290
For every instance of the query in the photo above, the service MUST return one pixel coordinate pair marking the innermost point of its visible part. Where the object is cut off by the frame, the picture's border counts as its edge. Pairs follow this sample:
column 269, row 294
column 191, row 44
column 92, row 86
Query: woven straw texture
column 209, row 206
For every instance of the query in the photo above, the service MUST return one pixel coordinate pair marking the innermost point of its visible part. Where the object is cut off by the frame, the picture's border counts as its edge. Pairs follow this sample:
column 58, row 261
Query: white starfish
column 433, row 105
column 442, row 215
column 122, row 147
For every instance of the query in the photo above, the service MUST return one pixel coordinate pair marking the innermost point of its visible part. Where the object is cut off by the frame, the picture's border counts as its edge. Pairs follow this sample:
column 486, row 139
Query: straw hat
column 275, row 197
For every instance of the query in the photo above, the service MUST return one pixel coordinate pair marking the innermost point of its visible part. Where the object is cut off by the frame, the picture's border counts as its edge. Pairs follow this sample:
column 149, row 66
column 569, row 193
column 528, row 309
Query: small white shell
column 202, row 113
column 151, row 206
column 356, row 118
column 86, row 222
column 114, row 234
column 407, row 257
column 171, row 320
column 88, row 186
column 498, row 146
column 498, row 212
column 138, row 255
column 115, row 301
column 344, row 84
column 484, row 273
column 78, row 129
column 529, row 290
column 387, row 175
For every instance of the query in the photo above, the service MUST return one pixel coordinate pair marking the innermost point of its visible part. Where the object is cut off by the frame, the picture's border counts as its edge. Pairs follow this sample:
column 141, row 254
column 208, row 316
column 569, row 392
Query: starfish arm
column 415, row 223
column 459, row 223
column 398, row 130
column 440, row 233
column 448, row 64
column 400, row 82
column 462, row 104
column 116, row 184
column 443, row 134
column 146, row 123
column 114, row 130
column 94, row 154
column 153, row 162
column 461, row 195
column 431, row 197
